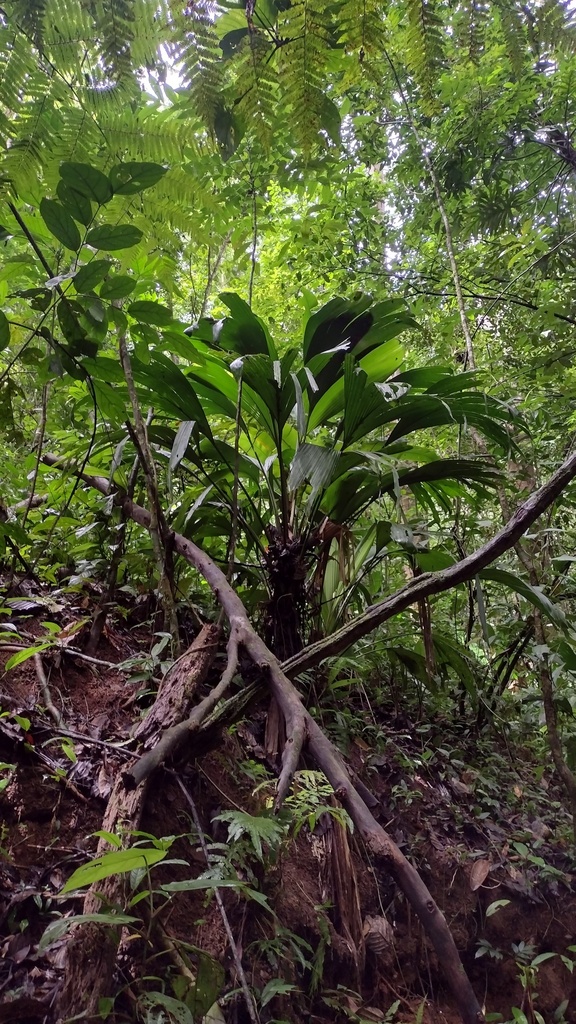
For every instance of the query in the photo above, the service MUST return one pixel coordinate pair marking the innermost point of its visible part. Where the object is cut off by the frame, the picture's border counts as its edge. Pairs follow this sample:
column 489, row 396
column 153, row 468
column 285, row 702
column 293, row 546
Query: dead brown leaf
column 479, row 873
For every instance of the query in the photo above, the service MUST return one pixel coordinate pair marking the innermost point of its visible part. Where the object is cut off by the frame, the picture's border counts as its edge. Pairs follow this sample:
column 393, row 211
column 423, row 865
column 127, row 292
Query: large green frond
column 308, row 35
column 196, row 50
column 424, row 53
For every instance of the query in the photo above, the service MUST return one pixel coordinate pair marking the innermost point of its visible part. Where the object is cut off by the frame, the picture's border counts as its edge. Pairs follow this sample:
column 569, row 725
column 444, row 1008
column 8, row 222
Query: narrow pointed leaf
column 118, row 862
column 534, row 595
column 180, row 444
column 4, row 331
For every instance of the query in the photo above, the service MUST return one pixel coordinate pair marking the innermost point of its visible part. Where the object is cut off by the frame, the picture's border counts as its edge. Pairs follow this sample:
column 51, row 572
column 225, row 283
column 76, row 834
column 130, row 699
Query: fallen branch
column 301, row 726
column 173, row 738
column 436, row 582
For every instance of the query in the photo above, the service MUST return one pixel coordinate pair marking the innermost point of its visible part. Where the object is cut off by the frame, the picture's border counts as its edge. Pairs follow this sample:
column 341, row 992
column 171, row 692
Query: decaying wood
column 176, row 691
column 92, row 949
column 345, row 890
column 173, row 738
column 302, row 729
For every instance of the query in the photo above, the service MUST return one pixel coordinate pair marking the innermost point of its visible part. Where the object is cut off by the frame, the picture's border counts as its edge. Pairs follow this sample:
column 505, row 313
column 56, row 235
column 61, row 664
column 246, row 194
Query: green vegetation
column 287, row 306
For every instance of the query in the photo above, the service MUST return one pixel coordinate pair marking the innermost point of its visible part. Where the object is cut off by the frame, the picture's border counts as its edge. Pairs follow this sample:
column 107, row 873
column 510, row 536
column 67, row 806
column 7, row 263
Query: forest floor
column 481, row 823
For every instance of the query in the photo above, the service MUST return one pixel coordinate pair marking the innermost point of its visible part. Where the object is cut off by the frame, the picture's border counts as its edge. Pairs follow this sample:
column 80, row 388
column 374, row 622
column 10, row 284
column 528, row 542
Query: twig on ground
column 51, row 708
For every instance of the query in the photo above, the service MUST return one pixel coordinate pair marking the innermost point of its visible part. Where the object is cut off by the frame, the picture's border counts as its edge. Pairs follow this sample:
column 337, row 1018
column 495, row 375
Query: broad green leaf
column 60, row 223
column 449, row 653
column 356, row 487
column 423, row 376
column 111, row 237
column 117, row 862
column 313, row 464
column 335, row 324
column 534, row 595
column 75, row 203
column 472, row 408
column 568, row 655
column 541, row 958
column 243, row 333
column 170, row 389
column 150, row 312
column 87, row 180
column 132, row 177
column 363, row 404
column 273, row 988
column 268, row 383
column 69, row 319
column 433, row 561
column 58, row 928
column 4, row 331
column 94, row 317
column 118, row 286
column 177, row 1011
column 148, row 335
column 91, row 274
column 210, row 978
column 232, row 39
column 377, row 364
column 496, row 906
column 177, row 341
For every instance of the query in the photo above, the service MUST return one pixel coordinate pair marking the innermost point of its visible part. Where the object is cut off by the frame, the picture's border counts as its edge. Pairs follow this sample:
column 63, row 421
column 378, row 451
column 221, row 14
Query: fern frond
column 18, row 69
column 76, row 138
column 147, row 134
column 30, row 16
column 475, row 18
column 69, row 36
column 308, row 31
column 152, row 29
column 116, row 25
column 515, row 35
column 424, row 55
column 362, row 27
column 257, row 77
column 555, row 25
column 196, row 49
column 24, row 158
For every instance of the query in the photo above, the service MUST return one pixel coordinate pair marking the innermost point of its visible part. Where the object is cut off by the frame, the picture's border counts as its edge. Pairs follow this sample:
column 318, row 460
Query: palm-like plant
column 321, row 435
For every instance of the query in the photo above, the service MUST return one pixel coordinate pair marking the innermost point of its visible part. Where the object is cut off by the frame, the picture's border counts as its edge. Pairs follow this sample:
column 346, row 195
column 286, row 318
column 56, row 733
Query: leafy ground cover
column 322, row 933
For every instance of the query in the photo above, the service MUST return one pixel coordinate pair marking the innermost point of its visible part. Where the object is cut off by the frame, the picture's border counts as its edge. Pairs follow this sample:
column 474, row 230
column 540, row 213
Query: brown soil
column 52, row 806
